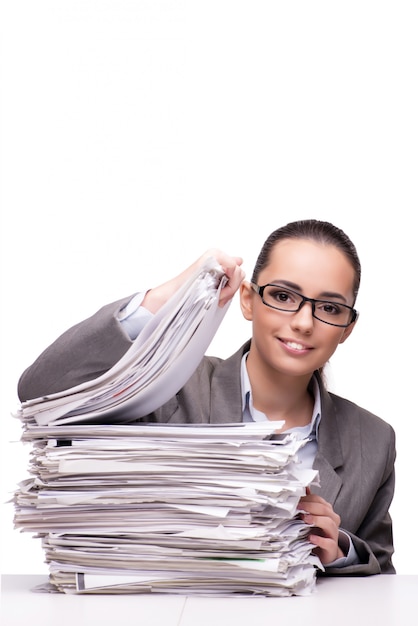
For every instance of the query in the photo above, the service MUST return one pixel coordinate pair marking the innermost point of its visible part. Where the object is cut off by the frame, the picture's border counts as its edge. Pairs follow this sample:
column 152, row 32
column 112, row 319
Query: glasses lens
column 281, row 298
column 333, row 313
column 285, row 299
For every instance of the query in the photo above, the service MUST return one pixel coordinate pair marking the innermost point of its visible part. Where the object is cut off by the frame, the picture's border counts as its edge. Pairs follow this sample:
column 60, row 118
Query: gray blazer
column 356, row 449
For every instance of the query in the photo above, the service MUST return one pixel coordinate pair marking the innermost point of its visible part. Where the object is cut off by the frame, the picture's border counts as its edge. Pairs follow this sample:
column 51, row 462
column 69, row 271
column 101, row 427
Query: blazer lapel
column 329, row 481
column 226, row 399
column 329, row 455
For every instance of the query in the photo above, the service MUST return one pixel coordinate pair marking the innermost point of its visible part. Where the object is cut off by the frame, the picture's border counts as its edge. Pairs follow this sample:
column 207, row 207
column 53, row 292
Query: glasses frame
column 312, row 301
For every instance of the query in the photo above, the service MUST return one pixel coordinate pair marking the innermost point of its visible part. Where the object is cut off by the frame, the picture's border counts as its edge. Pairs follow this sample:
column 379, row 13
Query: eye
column 330, row 308
column 281, row 295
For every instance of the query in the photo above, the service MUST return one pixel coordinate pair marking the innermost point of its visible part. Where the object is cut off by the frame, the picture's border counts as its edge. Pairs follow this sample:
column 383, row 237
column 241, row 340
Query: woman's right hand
column 231, row 265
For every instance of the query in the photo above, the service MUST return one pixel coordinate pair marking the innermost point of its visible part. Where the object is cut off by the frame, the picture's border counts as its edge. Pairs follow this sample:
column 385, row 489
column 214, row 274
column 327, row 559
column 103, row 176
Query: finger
column 326, row 549
column 230, row 263
column 319, row 508
column 234, row 280
column 323, row 526
column 226, row 261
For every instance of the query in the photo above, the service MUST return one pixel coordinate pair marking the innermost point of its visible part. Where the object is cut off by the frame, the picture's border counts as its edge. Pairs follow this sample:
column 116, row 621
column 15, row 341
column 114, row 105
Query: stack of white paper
column 126, row 507
column 186, row 509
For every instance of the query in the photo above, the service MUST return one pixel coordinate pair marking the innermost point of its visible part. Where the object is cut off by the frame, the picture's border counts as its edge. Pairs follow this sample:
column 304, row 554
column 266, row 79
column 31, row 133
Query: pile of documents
column 123, row 506
column 174, row 509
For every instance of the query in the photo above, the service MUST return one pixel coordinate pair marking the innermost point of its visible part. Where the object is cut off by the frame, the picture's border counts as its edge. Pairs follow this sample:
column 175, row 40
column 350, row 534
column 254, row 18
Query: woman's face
column 296, row 343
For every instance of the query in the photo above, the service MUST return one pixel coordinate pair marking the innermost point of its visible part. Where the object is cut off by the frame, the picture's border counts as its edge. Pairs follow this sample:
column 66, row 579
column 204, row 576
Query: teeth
column 295, row 346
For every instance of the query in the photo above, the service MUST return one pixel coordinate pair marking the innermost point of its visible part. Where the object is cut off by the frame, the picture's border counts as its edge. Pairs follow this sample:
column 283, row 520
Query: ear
column 246, row 295
column 347, row 331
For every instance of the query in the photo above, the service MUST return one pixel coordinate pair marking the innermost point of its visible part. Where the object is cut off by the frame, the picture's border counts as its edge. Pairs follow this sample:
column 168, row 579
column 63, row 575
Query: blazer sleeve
column 375, row 533
column 81, row 353
column 375, row 555
column 373, row 538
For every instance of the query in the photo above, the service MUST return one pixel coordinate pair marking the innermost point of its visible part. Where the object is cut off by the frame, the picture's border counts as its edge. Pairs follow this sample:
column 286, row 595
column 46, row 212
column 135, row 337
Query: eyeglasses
column 284, row 299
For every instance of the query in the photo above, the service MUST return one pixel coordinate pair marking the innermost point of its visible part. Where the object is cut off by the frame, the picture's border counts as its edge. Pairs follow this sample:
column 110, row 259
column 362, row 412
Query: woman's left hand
column 325, row 526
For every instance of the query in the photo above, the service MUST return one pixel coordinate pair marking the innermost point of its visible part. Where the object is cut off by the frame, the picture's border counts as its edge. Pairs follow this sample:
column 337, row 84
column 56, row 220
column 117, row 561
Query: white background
column 136, row 134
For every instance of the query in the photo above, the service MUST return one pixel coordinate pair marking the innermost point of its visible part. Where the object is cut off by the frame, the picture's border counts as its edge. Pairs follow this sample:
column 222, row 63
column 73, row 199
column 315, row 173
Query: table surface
column 382, row 600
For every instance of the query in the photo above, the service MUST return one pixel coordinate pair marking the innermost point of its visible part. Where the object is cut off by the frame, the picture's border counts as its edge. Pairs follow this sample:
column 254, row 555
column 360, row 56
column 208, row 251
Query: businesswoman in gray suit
column 300, row 301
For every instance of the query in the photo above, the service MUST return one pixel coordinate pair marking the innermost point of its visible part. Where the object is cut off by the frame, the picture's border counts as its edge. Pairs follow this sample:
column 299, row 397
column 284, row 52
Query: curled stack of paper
column 159, row 362
column 181, row 509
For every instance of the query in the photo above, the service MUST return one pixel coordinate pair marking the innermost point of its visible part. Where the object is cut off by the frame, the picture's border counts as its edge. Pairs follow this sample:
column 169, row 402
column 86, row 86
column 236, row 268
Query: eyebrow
column 296, row 287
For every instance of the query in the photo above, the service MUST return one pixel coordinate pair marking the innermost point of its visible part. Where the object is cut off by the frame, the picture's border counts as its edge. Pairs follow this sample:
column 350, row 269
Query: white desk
column 377, row 600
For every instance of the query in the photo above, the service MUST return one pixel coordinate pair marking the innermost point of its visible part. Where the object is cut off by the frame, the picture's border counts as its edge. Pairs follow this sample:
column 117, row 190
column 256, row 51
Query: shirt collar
column 247, row 405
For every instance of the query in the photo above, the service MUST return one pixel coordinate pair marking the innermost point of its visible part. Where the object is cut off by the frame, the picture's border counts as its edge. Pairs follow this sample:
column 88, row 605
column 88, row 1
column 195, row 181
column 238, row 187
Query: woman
column 300, row 301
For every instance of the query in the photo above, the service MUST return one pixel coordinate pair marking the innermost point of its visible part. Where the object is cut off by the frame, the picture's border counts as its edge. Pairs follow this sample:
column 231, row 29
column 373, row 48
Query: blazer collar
column 329, row 454
column 226, row 389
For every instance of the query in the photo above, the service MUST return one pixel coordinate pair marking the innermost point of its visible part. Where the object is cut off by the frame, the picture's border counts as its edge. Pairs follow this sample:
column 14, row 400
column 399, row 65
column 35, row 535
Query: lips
column 294, row 345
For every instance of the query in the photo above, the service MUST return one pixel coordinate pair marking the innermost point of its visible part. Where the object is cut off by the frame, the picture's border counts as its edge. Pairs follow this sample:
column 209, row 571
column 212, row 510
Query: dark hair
column 316, row 230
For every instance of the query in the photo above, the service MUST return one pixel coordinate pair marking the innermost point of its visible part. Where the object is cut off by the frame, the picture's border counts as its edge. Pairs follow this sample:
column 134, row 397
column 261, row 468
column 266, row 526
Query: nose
column 303, row 318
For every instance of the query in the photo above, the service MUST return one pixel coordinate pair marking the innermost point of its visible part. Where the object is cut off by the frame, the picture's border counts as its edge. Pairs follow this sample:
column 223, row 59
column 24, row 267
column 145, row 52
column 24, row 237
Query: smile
column 294, row 345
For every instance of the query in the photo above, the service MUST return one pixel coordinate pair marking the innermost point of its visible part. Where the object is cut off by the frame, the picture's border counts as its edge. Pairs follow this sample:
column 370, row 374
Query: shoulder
column 351, row 414
column 345, row 414
column 362, row 435
column 81, row 353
